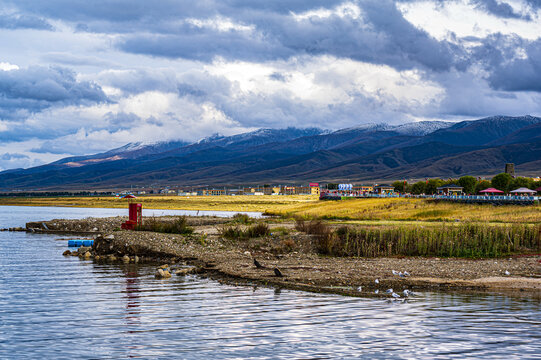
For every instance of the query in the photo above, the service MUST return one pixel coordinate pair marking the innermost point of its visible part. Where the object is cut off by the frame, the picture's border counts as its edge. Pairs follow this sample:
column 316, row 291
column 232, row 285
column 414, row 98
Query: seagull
column 278, row 272
column 360, row 288
column 507, row 272
column 406, row 273
column 389, row 291
column 257, row 264
column 395, row 272
column 376, row 291
column 407, row 293
column 401, row 275
column 376, row 281
column 395, row 295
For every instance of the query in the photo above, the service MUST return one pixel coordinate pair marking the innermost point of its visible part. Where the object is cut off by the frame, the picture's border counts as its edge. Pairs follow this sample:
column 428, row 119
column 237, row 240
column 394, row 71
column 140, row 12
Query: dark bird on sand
column 278, row 272
column 258, row 265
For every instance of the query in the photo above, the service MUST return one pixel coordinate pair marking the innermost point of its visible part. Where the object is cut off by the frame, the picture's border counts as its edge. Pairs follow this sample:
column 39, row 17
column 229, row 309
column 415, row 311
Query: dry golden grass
column 411, row 210
column 223, row 203
column 365, row 210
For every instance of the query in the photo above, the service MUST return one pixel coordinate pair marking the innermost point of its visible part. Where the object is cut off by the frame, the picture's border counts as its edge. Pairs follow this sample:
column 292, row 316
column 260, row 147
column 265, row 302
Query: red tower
column 135, row 217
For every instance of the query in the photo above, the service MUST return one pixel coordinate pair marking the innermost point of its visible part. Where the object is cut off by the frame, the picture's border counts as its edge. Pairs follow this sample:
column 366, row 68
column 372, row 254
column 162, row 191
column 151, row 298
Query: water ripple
column 57, row 307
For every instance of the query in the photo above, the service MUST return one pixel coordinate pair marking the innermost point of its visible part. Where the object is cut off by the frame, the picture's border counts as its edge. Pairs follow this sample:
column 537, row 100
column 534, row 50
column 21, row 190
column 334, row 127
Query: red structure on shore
column 135, row 217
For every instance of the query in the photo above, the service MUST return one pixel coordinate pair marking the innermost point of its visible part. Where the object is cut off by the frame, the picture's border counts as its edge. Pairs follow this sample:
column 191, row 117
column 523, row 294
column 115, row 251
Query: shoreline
column 232, row 261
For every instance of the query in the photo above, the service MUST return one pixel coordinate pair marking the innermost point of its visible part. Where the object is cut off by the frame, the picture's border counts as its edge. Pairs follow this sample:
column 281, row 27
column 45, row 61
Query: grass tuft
column 238, row 232
column 177, row 226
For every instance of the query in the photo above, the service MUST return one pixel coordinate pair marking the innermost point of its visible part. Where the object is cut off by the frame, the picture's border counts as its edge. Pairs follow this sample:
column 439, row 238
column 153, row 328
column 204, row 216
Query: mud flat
column 294, row 254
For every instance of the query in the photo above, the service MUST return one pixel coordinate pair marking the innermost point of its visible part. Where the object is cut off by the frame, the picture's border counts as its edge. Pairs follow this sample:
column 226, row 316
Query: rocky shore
column 292, row 252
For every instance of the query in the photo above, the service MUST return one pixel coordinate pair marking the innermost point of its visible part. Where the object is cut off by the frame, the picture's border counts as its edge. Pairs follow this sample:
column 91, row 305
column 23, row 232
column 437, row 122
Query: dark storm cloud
column 500, row 9
column 380, row 36
column 160, row 29
column 520, row 74
column 24, row 22
column 36, row 88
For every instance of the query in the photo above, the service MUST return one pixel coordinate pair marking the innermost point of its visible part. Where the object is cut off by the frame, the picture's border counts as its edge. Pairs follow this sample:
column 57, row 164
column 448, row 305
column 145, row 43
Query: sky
column 81, row 77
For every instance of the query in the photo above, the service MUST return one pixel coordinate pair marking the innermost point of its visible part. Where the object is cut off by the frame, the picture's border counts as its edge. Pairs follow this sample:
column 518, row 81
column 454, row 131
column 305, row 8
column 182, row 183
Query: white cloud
column 346, row 9
column 220, row 24
column 5, row 66
column 459, row 17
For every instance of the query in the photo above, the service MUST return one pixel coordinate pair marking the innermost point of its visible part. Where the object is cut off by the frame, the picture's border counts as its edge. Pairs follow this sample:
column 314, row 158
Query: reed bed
column 469, row 240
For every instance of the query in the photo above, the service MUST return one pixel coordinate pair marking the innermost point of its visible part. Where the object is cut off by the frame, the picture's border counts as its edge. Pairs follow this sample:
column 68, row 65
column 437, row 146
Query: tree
column 502, row 181
column 332, row 186
column 482, row 185
column 468, row 183
column 432, row 185
column 418, row 188
column 400, row 186
column 521, row 182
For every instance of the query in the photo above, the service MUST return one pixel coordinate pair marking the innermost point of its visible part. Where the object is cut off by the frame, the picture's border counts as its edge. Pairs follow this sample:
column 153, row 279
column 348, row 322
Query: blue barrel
column 79, row 242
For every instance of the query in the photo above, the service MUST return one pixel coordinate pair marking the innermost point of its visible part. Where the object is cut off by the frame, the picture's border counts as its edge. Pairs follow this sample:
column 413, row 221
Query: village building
column 363, row 188
column 384, row 189
column 450, row 190
column 214, row 192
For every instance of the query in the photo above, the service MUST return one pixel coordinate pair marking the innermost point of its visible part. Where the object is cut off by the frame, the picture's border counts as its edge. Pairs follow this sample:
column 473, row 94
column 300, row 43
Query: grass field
column 370, row 211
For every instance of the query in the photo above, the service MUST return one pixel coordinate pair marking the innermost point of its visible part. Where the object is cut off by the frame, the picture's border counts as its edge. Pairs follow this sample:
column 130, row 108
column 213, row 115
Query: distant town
column 506, row 183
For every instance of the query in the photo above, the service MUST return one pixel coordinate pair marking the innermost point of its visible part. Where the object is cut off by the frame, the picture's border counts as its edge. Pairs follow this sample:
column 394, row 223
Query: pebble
column 87, row 255
column 126, row 258
column 162, row 274
column 184, row 272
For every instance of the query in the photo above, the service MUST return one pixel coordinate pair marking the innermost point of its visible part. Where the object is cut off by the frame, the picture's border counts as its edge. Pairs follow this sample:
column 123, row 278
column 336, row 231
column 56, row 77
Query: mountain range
column 366, row 153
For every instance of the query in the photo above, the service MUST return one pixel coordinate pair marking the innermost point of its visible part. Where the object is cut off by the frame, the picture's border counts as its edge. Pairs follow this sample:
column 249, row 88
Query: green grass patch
column 239, row 232
column 177, row 226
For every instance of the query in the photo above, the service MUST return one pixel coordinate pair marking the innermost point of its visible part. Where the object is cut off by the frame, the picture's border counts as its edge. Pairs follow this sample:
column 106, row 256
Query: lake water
column 53, row 306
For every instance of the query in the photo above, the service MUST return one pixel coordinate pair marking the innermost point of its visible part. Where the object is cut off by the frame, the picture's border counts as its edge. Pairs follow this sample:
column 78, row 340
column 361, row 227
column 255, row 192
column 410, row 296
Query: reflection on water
column 62, row 307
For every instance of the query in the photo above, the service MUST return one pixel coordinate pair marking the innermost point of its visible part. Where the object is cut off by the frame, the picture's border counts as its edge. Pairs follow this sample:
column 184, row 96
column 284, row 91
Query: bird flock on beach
column 397, row 297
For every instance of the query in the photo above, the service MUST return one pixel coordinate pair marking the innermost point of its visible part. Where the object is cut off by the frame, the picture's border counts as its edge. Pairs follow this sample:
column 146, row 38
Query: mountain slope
column 365, row 152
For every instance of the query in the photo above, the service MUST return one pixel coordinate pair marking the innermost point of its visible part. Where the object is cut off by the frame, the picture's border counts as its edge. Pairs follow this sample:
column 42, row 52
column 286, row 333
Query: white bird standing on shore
column 376, row 281
column 395, row 295
column 407, row 293
column 507, row 272
column 395, row 272
column 389, row 291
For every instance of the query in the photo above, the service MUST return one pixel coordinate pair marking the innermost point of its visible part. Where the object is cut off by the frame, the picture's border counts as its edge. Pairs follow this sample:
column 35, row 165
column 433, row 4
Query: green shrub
column 242, row 219
column 237, row 232
column 177, row 226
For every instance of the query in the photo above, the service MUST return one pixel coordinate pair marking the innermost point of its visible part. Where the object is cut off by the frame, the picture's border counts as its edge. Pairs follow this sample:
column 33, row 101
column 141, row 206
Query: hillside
column 363, row 153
